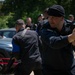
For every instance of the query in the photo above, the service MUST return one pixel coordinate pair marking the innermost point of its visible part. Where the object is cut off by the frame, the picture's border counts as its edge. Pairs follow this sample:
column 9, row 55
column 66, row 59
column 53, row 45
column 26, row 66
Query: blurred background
column 11, row 10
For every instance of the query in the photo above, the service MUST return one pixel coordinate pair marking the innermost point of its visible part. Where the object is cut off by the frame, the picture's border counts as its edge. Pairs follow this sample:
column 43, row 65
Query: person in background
column 45, row 13
column 70, row 20
column 26, row 50
column 39, row 23
column 71, row 17
column 29, row 24
column 58, row 45
column 42, row 18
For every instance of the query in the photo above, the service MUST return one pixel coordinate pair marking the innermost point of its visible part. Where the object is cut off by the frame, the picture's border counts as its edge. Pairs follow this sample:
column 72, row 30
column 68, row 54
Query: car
column 7, row 32
column 5, row 51
column 6, row 45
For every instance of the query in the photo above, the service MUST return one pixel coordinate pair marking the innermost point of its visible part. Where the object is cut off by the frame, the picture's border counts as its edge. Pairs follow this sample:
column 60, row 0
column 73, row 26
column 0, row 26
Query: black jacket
column 26, row 47
column 57, row 52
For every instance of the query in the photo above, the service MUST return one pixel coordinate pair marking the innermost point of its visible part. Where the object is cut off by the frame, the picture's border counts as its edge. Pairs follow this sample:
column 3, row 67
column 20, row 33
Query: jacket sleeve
column 54, row 40
column 15, row 50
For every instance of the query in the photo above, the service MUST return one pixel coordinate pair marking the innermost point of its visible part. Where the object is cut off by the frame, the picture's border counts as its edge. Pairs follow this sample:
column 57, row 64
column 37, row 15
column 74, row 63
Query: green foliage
column 6, row 21
column 2, row 24
column 33, row 15
column 10, row 19
column 3, row 21
column 31, row 8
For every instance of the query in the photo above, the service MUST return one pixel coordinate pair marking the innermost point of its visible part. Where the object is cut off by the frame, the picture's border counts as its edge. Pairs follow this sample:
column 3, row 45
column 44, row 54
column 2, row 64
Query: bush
column 3, row 22
column 33, row 15
column 6, row 21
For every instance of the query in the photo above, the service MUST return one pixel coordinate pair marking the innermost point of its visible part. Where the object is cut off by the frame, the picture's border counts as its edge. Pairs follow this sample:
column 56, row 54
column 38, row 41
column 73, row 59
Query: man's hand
column 28, row 28
column 71, row 37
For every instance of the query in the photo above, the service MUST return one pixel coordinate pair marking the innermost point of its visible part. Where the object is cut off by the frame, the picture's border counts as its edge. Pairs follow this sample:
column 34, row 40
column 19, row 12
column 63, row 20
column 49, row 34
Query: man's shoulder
column 46, row 25
column 16, row 36
column 31, row 33
column 67, row 22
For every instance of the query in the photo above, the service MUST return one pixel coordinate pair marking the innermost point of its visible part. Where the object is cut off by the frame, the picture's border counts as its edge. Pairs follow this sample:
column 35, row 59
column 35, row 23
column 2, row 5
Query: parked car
column 6, row 44
column 8, row 32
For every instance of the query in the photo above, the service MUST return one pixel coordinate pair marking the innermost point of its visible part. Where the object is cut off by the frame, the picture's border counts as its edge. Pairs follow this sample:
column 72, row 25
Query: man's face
column 28, row 20
column 71, row 18
column 40, row 18
column 17, row 28
column 55, row 21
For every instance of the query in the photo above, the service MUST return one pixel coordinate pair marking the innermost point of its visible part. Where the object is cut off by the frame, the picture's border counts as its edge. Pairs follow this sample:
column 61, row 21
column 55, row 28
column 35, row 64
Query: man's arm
column 14, row 56
column 55, row 41
column 15, row 50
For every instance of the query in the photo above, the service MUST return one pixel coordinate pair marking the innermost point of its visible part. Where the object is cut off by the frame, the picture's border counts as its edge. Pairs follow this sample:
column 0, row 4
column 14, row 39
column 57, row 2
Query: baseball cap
column 20, row 22
column 56, row 10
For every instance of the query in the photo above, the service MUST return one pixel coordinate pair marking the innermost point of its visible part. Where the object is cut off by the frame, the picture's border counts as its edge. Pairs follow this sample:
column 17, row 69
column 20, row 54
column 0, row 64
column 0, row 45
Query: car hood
column 6, row 44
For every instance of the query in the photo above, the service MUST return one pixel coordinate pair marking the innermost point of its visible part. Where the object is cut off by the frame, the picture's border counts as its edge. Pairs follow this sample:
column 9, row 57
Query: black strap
column 23, row 33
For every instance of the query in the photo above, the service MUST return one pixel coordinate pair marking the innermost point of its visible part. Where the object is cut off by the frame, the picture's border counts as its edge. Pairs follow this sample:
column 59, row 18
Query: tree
column 24, row 8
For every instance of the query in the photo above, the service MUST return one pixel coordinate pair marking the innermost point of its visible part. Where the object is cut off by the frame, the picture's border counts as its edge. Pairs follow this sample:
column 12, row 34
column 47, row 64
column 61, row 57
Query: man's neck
column 29, row 24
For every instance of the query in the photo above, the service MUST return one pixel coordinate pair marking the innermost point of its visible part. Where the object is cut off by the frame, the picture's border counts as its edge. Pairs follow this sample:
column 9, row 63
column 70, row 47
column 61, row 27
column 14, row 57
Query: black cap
column 20, row 22
column 56, row 10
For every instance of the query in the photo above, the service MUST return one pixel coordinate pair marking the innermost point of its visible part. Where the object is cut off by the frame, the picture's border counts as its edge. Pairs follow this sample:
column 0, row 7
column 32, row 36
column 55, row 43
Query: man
column 39, row 23
column 29, row 24
column 42, row 18
column 57, row 53
column 25, row 49
column 71, row 17
column 45, row 13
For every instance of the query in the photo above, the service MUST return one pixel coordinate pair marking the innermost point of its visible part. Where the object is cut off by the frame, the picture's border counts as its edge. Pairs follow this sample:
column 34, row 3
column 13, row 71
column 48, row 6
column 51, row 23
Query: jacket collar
column 47, row 26
column 21, row 29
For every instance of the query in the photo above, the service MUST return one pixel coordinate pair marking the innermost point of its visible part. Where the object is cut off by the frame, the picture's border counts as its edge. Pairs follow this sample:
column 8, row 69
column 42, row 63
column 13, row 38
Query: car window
column 9, row 34
column 1, row 33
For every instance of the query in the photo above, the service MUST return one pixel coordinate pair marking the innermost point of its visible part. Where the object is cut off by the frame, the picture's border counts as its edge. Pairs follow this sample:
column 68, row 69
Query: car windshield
column 7, row 33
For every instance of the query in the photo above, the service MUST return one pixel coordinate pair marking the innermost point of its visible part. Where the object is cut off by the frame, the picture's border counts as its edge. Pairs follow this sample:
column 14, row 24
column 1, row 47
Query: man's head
column 40, row 17
column 28, row 21
column 19, row 24
column 71, row 17
column 56, row 15
column 45, row 13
